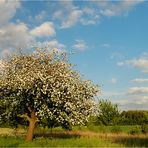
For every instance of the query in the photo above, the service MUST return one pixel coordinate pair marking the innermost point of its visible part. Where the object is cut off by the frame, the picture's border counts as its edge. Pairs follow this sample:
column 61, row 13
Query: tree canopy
column 108, row 113
column 44, row 85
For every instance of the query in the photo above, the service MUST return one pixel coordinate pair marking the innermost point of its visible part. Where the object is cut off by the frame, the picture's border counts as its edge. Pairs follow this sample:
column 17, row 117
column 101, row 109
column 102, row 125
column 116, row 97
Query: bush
column 144, row 128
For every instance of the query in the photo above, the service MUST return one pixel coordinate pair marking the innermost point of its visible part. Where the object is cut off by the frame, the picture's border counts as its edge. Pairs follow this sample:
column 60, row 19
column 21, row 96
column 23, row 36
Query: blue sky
column 109, row 40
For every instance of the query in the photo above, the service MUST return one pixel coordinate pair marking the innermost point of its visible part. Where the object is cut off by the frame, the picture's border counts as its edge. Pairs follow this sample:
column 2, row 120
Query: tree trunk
column 32, row 122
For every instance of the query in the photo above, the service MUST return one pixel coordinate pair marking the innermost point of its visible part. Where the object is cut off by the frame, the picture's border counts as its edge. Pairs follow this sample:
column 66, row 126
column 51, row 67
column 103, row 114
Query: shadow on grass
column 132, row 141
column 58, row 135
column 14, row 145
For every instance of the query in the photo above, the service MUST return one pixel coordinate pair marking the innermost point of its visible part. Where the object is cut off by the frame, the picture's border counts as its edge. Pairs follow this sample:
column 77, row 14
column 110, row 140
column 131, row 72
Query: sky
column 108, row 39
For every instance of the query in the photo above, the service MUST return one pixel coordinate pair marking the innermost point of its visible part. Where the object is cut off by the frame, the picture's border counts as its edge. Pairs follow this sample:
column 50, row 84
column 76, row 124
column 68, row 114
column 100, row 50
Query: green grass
column 57, row 142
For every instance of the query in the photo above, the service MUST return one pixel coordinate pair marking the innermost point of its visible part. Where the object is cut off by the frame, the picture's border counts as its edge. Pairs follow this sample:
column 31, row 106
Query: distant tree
column 134, row 117
column 108, row 113
column 44, row 85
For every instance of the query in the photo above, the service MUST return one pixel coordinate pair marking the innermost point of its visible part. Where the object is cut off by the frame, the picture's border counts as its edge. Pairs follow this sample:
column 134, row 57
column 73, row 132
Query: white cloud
column 15, row 36
column 108, row 94
column 88, row 10
column 18, row 35
column 68, row 14
column 133, row 102
column 8, row 10
column 72, row 19
column 141, row 100
column 12, row 35
column 80, row 45
column 126, row 101
column 138, row 90
column 58, row 14
column 141, row 63
column 56, row 44
column 140, row 80
column 53, row 44
column 117, row 8
column 44, row 30
column 89, row 16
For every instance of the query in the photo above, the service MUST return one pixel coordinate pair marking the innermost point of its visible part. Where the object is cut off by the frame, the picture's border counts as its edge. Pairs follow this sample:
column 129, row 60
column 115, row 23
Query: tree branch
column 29, row 109
column 25, row 116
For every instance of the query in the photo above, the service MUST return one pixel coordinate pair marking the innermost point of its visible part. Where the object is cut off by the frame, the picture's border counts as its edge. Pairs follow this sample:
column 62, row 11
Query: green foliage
column 67, row 126
column 103, row 129
column 116, row 129
column 144, row 128
column 108, row 113
column 134, row 117
column 135, row 130
column 92, row 120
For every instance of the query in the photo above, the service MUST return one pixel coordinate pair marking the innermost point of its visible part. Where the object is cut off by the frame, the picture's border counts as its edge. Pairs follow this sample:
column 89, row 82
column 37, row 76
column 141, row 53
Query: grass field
column 75, row 138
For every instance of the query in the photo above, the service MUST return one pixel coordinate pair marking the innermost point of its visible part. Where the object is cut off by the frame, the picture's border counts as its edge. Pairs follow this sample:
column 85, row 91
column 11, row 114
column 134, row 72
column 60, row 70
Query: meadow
column 99, row 136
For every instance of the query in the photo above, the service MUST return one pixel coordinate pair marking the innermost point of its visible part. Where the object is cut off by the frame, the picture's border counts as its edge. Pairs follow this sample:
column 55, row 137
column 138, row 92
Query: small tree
column 108, row 113
column 44, row 85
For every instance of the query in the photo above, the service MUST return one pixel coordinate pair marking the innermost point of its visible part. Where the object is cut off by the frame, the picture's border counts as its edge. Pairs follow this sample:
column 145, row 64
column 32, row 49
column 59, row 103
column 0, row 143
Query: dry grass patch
column 11, row 131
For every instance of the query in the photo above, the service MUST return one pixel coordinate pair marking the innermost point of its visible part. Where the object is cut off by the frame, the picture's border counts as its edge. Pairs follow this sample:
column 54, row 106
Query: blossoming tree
column 44, row 85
